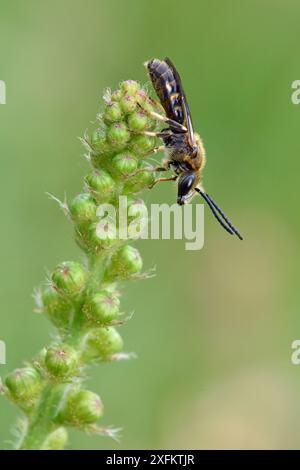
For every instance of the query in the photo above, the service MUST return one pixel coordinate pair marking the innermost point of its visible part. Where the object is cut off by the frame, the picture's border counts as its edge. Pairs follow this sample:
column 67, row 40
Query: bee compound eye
column 185, row 184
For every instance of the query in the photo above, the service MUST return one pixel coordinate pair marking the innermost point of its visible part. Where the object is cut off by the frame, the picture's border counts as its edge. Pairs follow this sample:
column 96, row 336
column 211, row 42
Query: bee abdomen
column 167, row 88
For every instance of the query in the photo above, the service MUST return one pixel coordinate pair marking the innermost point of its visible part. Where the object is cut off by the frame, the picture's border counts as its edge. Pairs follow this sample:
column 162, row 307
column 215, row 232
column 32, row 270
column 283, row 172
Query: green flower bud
column 125, row 263
column 101, row 185
column 128, row 104
column 137, row 219
column 39, row 360
column 101, row 235
column 81, row 407
column 125, row 164
column 61, row 360
column 138, row 121
column 142, row 180
column 69, row 278
column 82, row 233
column 98, row 142
column 130, row 87
column 57, row 308
column 147, row 103
column 24, row 386
column 102, row 343
column 112, row 113
column 102, row 308
column 83, row 208
column 142, row 144
column 116, row 95
column 136, row 207
column 118, row 135
column 56, row 440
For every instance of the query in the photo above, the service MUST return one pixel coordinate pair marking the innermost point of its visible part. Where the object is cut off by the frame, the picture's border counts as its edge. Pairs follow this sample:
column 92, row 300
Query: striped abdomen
column 167, row 88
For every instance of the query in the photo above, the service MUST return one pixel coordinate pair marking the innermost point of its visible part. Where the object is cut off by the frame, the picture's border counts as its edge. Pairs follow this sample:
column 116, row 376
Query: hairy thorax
column 183, row 155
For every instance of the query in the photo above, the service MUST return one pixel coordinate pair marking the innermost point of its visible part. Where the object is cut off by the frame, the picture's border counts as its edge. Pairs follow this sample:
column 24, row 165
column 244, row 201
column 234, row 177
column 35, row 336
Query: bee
column 185, row 150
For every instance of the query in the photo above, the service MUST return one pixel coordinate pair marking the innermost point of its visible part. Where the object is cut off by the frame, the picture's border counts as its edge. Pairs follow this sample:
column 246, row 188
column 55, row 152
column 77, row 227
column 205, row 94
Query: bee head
column 186, row 184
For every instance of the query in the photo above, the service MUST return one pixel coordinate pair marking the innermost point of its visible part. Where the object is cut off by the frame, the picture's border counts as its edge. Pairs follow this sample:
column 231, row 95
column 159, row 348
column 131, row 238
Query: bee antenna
column 216, row 211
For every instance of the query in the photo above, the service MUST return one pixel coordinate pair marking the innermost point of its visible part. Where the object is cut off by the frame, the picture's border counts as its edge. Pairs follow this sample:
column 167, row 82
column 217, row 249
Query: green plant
column 82, row 299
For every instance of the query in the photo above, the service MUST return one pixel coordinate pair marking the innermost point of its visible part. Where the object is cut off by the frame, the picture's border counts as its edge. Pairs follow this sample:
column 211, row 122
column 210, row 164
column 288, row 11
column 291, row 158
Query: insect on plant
column 185, row 150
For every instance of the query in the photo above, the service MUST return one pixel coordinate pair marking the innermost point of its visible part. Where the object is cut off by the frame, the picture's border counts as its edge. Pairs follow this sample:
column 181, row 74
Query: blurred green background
column 213, row 330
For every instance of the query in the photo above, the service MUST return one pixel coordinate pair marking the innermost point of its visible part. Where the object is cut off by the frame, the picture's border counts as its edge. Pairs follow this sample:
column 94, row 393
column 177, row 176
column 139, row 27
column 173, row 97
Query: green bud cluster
column 81, row 300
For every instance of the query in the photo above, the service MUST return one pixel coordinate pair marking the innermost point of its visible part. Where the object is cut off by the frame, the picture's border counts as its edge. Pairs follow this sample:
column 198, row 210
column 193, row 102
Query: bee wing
column 185, row 106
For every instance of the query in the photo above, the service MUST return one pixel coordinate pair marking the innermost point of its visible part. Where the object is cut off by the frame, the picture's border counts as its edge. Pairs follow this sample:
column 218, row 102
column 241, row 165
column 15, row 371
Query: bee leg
column 160, row 180
column 152, row 169
column 161, row 134
column 174, row 124
column 160, row 148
